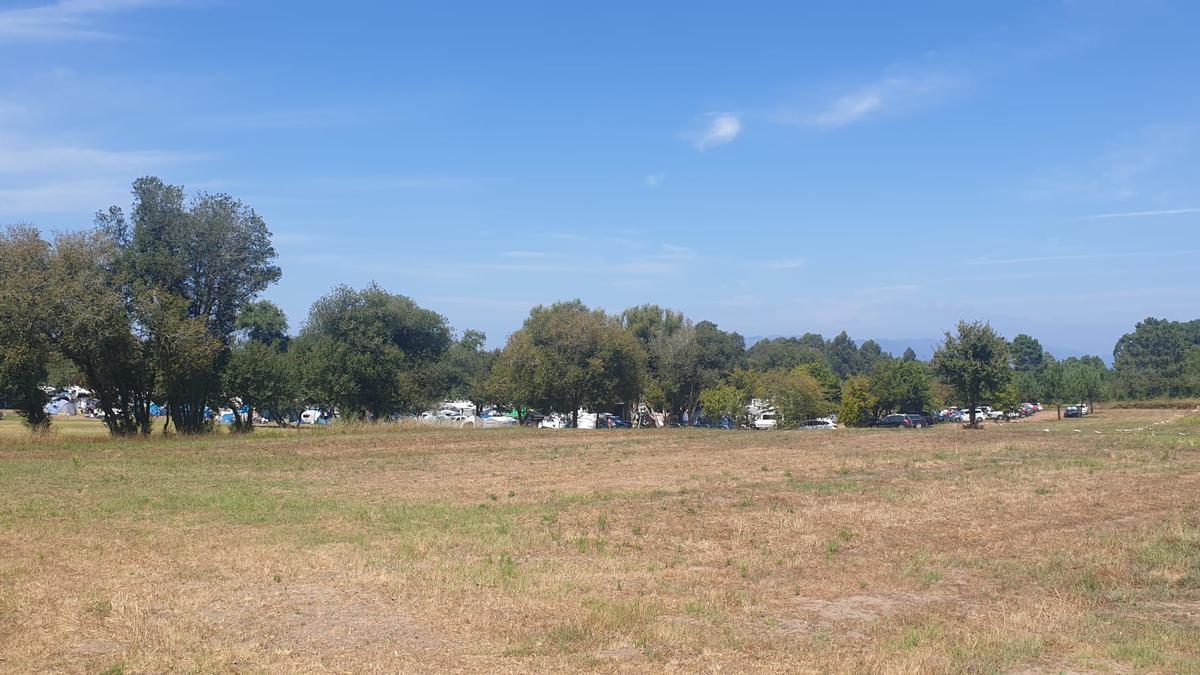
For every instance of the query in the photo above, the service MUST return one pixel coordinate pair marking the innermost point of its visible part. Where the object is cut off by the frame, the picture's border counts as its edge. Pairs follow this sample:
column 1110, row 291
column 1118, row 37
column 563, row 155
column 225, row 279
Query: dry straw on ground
column 1041, row 545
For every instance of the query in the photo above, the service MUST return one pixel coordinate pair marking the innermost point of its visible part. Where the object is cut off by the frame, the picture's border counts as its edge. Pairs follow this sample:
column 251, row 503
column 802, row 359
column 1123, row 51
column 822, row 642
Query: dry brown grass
column 1007, row 549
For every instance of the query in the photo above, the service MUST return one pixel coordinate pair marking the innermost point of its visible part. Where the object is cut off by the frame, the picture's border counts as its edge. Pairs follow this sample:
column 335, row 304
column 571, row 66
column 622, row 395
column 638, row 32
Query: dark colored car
column 921, row 420
column 611, row 422
column 892, row 421
column 705, row 423
column 902, row 421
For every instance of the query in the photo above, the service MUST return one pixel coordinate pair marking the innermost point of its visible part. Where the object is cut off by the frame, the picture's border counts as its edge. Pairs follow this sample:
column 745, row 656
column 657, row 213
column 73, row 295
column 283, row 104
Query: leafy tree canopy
column 975, row 363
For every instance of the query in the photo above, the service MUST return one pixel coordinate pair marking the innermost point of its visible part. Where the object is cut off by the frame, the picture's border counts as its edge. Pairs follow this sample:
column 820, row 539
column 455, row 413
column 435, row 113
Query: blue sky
column 777, row 168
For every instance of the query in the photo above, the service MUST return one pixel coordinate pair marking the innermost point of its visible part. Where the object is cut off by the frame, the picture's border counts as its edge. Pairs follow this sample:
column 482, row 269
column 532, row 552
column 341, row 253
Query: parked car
column 766, row 420
column 606, row 421
column 818, row 424
column 314, row 416
column 902, row 421
column 1073, row 411
column 981, row 415
column 990, row 413
column 920, row 420
column 553, row 421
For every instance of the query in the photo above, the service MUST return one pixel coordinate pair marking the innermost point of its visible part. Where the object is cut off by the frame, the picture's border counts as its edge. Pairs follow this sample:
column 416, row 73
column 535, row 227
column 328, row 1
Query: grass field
column 1035, row 546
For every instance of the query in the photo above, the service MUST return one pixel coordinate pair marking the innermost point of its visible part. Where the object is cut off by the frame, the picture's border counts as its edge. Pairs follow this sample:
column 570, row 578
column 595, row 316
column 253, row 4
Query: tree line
column 160, row 306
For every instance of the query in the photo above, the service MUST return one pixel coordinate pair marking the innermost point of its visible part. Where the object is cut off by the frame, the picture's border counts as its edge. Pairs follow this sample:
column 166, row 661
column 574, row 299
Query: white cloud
column 46, row 177
column 722, row 128
column 32, row 159
column 84, row 195
column 1141, row 214
column 888, row 93
column 655, row 179
column 849, row 108
column 1079, row 256
column 64, row 20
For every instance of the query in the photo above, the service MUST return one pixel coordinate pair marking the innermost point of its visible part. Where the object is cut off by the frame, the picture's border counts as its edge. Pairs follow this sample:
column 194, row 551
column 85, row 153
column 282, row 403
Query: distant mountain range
column 925, row 347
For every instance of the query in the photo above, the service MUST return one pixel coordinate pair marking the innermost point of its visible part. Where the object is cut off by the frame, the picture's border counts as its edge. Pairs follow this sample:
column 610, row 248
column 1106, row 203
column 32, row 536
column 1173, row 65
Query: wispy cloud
column 889, row 93
column 1079, row 256
column 720, row 129
column 583, row 260
column 1141, row 214
column 84, row 195
column 290, row 118
column 65, row 19
column 655, row 179
column 59, row 158
column 47, row 177
column 1153, row 161
column 786, row 264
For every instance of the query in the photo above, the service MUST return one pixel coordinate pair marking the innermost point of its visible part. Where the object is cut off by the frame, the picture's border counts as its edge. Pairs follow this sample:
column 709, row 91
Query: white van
column 766, row 420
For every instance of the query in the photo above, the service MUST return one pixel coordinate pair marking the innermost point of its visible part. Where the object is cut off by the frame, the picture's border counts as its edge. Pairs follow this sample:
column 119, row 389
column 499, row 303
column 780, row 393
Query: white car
column 555, row 422
column 312, row 416
column 818, row 424
column 496, row 421
column 991, row 414
column 766, row 420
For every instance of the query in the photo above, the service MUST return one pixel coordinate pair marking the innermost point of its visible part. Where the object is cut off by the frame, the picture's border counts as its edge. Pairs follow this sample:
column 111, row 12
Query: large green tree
column 975, row 363
column 666, row 335
column 721, row 352
column 260, row 375
column 190, row 265
column 566, row 357
column 93, row 326
column 871, row 354
column 513, row 380
column 901, row 386
column 370, row 353
column 1086, row 379
column 677, row 375
column 784, row 352
column 24, row 343
column 724, row 401
column 859, row 403
column 264, row 322
column 265, row 380
column 1191, row 371
column 465, row 368
column 1150, row 360
column 648, row 322
column 795, row 394
column 844, row 357
column 1027, row 354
